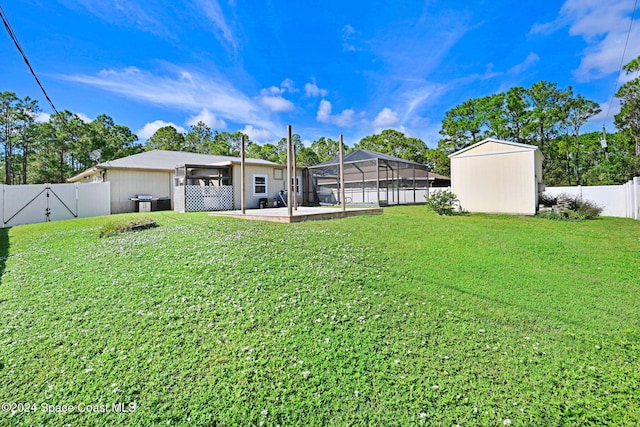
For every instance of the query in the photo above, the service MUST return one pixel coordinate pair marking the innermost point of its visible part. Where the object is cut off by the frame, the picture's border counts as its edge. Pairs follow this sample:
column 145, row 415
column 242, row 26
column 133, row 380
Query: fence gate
column 27, row 204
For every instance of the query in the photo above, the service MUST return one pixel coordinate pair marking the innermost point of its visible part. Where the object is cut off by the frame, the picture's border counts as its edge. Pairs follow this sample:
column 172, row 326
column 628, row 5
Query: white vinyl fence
column 617, row 200
column 28, row 204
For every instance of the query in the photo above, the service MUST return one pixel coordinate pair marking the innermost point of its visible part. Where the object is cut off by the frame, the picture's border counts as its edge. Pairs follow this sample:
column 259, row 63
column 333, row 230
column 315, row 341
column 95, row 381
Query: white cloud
column 272, row 91
column 84, row 117
column 208, row 118
column 604, row 26
column 344, row 119
column 277, row 103
column 416, row 94
column 213, row 11
column 608, row 110
column 311, row 89
column 150, row 128
column 531, row 60
column 289, row 85
column 386, row 118
column 42, row 117
column 162, row 17
column 348, row 35
column 127, row 12
column 185, row 90
column 257, row 135
column 604, row 57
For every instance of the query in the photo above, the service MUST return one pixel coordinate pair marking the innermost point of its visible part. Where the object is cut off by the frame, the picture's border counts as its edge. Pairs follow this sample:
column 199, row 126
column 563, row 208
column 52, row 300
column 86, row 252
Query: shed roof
column 358, row 155
column 164, row 160
column 523, row 147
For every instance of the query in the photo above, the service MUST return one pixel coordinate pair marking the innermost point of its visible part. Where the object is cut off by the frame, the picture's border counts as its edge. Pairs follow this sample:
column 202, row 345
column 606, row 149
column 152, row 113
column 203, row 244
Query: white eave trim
column 498, row 141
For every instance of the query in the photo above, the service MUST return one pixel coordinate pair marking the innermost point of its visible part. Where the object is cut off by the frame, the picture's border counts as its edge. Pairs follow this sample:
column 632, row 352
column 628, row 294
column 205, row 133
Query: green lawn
column 405, row 319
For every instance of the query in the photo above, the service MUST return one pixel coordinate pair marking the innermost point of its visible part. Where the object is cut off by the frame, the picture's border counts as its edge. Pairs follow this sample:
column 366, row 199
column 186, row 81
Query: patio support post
column 386, row 171
column 414, row 184
column 342, row 201
column 294, row 170
column 398, row 181
column 242, row 176
column 378, row 180
column 364, row 197
column 289, row 212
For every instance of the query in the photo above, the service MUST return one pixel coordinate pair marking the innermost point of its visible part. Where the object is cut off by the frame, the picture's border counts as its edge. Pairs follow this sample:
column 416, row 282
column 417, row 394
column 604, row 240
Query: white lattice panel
column 208, row 198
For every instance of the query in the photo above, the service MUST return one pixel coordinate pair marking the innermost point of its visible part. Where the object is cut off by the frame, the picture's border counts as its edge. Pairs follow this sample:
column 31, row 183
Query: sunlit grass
column 406, row 318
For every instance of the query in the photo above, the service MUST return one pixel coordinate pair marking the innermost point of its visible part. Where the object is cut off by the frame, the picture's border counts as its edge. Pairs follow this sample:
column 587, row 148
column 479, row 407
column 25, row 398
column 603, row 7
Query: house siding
column 126, row 184
column 274, row 186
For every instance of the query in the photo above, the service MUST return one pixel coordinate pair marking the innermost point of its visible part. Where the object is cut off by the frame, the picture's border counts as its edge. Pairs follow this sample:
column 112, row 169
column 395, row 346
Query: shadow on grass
column 4, row 250
column 520, row 307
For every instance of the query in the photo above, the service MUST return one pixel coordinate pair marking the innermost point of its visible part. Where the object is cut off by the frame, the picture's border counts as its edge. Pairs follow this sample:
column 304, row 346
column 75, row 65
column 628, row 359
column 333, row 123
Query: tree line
column 64, row 145
column 200, row 138
column 543, row 115
column 552, row 119
column 52, row 151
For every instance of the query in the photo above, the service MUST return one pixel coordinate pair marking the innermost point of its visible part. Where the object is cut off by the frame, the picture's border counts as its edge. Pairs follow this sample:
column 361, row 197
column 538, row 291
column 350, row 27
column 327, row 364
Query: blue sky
column 326, row 67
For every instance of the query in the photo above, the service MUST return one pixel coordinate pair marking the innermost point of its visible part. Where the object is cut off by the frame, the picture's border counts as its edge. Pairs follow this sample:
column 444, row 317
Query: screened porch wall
column 200, row 188
column 373, row 182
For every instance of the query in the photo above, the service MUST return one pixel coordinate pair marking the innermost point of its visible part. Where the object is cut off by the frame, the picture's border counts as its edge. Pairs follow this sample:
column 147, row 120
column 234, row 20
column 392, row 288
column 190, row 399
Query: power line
column 13, row 37
column 624, row 51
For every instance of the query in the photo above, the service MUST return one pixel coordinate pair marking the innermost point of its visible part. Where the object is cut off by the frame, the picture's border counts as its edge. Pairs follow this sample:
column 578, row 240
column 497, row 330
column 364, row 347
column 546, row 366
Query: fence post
column 636, row 197
column 77, row 197
column 630, row 205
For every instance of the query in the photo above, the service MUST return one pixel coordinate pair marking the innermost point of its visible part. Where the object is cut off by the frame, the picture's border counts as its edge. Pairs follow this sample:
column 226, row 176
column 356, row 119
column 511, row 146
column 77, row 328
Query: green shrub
column 569, row 208
column 547, row 200
column 586, row 208
column 118, row 227
column 444, row 203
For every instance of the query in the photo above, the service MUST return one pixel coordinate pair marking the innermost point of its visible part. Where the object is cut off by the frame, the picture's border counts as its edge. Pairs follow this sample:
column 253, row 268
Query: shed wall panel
column 500, row 183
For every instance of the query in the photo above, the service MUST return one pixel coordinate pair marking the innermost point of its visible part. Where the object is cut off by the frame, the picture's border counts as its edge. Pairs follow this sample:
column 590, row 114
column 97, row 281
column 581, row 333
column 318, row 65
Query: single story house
column 496, row 176
column 165, row 175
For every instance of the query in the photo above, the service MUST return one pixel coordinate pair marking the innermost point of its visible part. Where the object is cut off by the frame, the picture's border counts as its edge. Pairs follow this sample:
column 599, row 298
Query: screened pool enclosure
column 372, row 178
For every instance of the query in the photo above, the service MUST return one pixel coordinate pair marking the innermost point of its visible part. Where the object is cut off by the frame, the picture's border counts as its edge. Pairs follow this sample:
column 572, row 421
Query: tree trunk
column 25, row 150
column 577, row 160
column 7, row 161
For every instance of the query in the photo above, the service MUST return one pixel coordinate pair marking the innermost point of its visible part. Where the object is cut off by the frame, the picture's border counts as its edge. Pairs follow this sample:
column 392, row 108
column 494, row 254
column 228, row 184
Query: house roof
column 525, row 147
column 358, row 155
column 434, row 176
column 164, row 160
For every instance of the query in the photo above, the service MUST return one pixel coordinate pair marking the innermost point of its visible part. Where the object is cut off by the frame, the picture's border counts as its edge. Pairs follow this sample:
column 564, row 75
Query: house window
column 297, row 185
column 259, row 185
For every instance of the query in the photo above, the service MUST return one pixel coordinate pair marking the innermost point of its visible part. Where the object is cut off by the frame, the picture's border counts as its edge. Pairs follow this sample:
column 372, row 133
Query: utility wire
column 624, row 51
column 13, row 37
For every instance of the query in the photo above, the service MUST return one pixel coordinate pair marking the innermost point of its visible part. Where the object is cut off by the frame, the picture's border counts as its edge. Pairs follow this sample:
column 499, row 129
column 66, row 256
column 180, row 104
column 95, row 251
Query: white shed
column 497, row 176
